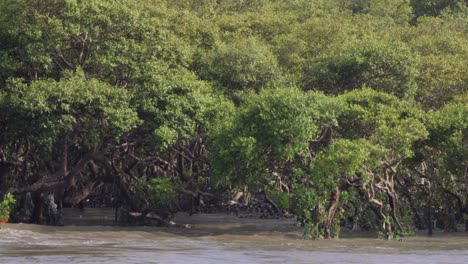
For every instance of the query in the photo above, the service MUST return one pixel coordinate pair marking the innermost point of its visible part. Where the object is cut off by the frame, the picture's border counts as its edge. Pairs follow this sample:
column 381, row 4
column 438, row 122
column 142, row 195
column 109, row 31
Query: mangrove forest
column 339, row 113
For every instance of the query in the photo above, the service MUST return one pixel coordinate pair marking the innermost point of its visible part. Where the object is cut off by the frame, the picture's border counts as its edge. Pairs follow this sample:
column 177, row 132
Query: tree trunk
column 38, row 198
column 75, row 199
column 332, row 212
column 429, row 216
column 393, row 204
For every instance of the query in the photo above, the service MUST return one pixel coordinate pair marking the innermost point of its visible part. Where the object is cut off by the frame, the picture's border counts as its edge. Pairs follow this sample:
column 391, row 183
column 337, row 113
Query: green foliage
column 303, row 199
column 435, row 7
column 312, row 231
column 399, row 10
column 57, row 108
column 443, row 79
column 175, row 105
column 110, row 40
column 162, row 191
column 442, row 46
column 343, row 157
column 344, row 102
column 382, row 65
column 281, row 199
column 245, row 64
column 446, row 144
column 155, row 193
column 5, row 205
column 272, row 127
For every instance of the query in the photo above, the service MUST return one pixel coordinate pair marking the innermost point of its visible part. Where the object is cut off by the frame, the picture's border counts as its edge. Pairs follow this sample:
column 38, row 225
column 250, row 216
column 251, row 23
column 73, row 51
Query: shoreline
column 219, row 223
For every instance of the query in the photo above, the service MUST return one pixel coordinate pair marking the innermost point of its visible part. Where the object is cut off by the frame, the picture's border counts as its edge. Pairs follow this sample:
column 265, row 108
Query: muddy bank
column 230, row 225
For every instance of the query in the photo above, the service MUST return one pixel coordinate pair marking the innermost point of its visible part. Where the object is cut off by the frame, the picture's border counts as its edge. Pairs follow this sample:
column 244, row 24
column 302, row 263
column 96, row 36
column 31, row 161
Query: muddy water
column 217, row 239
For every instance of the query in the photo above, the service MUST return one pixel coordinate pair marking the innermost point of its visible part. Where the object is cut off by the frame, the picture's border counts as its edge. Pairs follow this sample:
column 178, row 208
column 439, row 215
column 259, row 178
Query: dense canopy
column 337, row 111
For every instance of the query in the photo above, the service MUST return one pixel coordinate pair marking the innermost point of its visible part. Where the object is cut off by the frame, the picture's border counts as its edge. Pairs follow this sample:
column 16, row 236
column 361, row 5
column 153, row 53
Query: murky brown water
column 217, row 239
